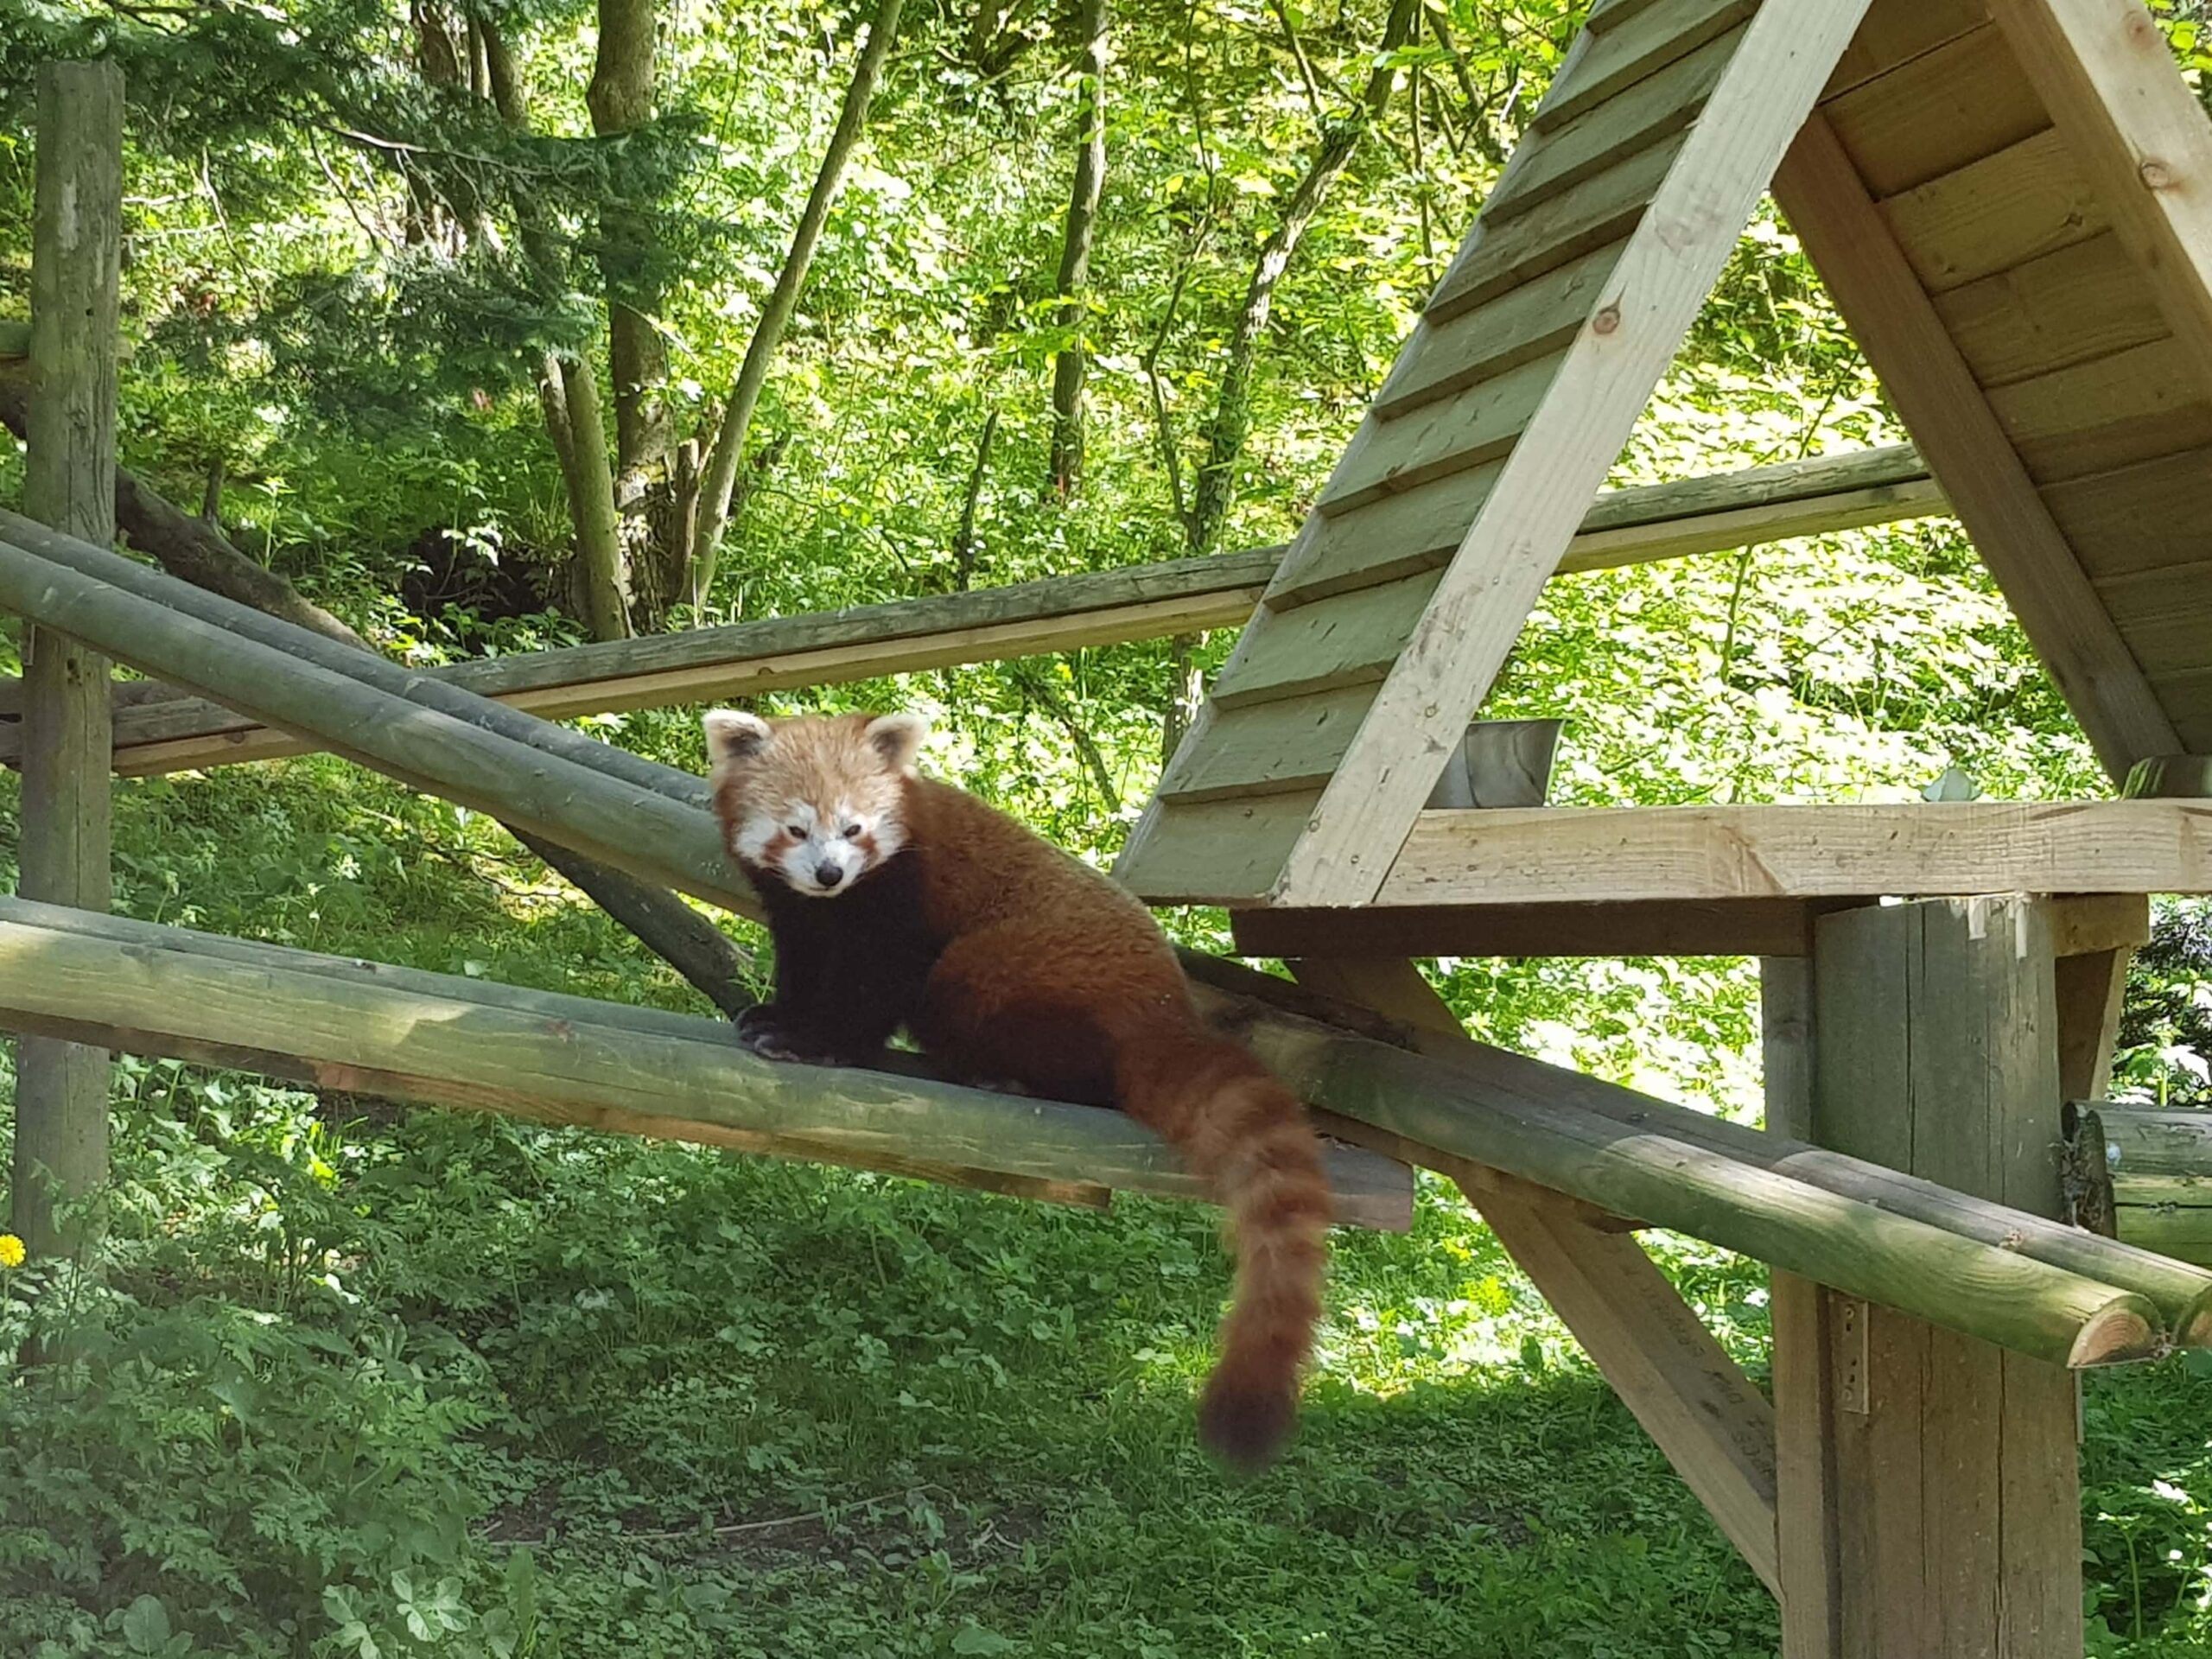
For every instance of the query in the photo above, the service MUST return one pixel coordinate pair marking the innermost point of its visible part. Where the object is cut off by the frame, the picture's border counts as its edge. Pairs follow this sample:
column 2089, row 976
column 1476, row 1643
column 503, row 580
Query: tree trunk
column 1231, row 427
column 720, row 479
column 620, row 98
column 569, row 394
column 1066, row 462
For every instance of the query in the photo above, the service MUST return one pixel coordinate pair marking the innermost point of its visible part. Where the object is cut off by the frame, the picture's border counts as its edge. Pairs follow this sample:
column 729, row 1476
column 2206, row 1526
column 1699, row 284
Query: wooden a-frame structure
column 2010, row 202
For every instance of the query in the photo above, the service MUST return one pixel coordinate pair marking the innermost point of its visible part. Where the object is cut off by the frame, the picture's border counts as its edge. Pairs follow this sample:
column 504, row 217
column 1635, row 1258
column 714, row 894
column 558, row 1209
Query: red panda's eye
column 795, row 831
column 852, row 832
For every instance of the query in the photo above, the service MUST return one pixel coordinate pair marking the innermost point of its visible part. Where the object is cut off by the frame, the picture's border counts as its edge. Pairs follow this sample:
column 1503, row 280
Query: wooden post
column 62, row 1089
column 1929, row 1495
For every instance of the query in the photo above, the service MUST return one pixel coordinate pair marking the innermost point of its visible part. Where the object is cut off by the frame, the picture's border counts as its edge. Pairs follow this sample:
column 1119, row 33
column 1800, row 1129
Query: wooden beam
column 604, row 806
column 163, row 729
column 1698, row 1407
column 368, row 1028
column 2084, row 924
column 2146, row 1175
column 2181, row 1295
column 61, row 1094
column 1523, row 530
column 2107, row 75
column 1709, row 927
column 1612, row 855
column 1909, row 348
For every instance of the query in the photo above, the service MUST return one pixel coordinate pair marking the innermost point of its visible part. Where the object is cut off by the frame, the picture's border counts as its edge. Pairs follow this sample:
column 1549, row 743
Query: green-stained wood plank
column 1449, row 435
column 1608, row 14
column 2028, row 200
column 1603, row 208
column 1351, row 639
column 1397, row 536
column 1643, row 45
column 1649, row 111
column 1270, row 747
column 1213, row 852
column 1533, row 321
column 1955, row 105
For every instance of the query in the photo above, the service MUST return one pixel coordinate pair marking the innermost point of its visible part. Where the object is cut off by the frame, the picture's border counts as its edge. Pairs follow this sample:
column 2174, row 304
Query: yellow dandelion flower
column 11, row 1250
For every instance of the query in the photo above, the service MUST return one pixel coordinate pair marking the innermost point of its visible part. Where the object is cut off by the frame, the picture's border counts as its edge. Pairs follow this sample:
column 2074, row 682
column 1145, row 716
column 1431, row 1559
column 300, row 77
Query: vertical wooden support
column 1803, row 1450
column 1950, row 1521
column 61, row 1090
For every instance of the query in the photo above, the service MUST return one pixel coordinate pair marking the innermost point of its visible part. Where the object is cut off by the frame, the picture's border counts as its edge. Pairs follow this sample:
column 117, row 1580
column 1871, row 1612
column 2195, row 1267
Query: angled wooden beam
column 1595, row 855
column 2108, row 79
column 1698, row 1407
column 603, row 802
column 1896, row 324
column 1668, row 267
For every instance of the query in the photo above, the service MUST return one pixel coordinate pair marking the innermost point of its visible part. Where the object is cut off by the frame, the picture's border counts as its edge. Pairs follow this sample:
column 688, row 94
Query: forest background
column 493, row 324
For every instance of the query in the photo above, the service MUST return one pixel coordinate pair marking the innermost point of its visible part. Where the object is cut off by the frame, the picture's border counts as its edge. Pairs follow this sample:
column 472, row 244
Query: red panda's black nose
column 828, row 875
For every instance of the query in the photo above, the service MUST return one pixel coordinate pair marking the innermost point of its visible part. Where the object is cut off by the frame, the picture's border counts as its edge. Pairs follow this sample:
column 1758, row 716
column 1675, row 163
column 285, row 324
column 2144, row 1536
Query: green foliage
column 345, row 1380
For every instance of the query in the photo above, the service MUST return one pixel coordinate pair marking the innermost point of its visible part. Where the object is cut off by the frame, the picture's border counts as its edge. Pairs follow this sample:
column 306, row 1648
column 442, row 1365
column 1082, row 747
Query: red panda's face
column 815, row 803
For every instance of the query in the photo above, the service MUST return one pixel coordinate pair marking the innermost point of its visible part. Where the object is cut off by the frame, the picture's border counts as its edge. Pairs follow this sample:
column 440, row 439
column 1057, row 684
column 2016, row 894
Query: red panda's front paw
column 762, row 1030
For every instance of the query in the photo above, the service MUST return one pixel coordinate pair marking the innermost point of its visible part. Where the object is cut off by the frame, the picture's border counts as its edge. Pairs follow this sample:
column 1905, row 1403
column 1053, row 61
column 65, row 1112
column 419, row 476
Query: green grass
column 362, row 1383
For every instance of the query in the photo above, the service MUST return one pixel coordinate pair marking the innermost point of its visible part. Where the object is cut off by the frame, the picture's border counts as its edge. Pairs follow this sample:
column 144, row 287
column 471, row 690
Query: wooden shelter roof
column 2010, row 202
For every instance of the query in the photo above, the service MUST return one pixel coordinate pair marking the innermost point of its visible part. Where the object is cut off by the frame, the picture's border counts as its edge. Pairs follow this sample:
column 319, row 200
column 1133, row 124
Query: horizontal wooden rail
column 1599, row 856
column 353, row 1027
column 175, row 732
column 368, row 1028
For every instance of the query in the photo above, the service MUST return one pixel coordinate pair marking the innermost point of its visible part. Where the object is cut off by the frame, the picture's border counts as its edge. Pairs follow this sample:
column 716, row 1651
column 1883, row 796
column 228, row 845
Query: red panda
column 898, row 901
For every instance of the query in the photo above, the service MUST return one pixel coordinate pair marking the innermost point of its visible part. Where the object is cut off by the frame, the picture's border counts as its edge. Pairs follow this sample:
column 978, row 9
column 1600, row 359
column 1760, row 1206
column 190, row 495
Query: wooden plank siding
column 1640, row 46
column 1601, row 208
column 1479, row 425
column 1895, row 32
column 2106, row 414
column 2152, row 515
column 1936, row 113
column 1531, row 321
column 1615, row 130
column 1349, row 640
column 1937, row 374
column 1699, row 204
column 1990, row 215
column 2073, row 306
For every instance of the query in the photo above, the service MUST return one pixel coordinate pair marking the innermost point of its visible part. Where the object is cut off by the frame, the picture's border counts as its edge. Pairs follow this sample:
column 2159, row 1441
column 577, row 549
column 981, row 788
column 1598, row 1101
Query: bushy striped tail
column 1241, row 1131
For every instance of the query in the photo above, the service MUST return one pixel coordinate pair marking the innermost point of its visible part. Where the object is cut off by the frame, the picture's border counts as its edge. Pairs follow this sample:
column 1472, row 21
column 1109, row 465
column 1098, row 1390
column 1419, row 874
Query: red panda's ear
column 733, row 735
column 897, row 738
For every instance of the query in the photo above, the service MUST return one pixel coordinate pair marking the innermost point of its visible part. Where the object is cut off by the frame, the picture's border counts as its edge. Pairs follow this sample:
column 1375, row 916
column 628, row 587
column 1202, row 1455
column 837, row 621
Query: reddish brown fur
column 1038, row 970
